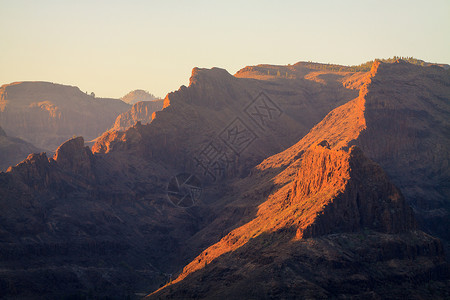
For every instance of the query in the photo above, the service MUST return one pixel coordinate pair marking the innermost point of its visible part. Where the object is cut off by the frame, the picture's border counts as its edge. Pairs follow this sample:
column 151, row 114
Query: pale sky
column 112, row 47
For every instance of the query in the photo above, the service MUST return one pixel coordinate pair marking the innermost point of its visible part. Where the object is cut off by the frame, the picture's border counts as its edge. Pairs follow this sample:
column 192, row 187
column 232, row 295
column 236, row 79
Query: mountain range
column 278, row 182
column 335, row 212
column 46, row 114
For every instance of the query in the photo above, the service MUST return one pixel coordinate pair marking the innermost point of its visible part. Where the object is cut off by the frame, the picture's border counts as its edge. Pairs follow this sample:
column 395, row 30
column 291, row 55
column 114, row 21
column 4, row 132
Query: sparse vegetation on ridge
column 364, row 67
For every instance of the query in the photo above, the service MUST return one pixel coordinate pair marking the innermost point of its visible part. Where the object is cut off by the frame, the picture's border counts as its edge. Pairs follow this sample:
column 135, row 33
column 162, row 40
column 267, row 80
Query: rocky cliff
column 309, row 199
column 47, row 114
column 332, row 191
column 400, row 121
column 142, row 111
column 331, row 232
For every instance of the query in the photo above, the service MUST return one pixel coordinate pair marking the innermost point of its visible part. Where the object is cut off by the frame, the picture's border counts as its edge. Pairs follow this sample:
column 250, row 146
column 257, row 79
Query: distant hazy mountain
column 47, row 114
column 13, row 150
column 138, row 95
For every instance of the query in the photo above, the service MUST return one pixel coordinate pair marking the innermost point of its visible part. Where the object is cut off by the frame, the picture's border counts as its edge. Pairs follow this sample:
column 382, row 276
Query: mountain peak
column 200, row 75
column 137, row 96
column 74, row 156
column 33, row 170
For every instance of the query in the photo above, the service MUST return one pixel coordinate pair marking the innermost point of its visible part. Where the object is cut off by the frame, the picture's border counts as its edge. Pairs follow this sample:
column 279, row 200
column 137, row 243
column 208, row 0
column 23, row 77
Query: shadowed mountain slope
column 101, row 222
column 13, row 150
column 334, row 231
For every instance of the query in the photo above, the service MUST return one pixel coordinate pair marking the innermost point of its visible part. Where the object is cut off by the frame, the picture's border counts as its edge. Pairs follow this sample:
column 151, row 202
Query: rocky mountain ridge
column 47, row 114
column 314, row 167
column 111, row 205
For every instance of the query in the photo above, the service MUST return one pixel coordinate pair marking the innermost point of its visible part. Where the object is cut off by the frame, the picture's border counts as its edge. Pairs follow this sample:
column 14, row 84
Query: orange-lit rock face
column 116, row 140
column 320, row 207
column 142, row 111
column 333, row 191
column 324, row 184
column 53, row 111
column 399, row 121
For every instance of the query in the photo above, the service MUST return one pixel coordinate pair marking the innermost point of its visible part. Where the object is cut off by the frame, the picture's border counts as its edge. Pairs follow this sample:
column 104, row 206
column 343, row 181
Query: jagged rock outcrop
column 113, row 140
column 33, row 171
column 47, row 114
column 368, row 199
column 141, row 111
column 71, row 168
column 73, row 156
column 13, row 150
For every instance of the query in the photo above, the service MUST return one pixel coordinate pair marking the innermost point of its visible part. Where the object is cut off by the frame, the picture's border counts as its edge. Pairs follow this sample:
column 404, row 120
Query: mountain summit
column 137, row 96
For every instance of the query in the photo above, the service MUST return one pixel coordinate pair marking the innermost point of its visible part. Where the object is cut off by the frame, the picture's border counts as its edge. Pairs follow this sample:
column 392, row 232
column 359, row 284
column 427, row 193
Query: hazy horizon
column 113, row 47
